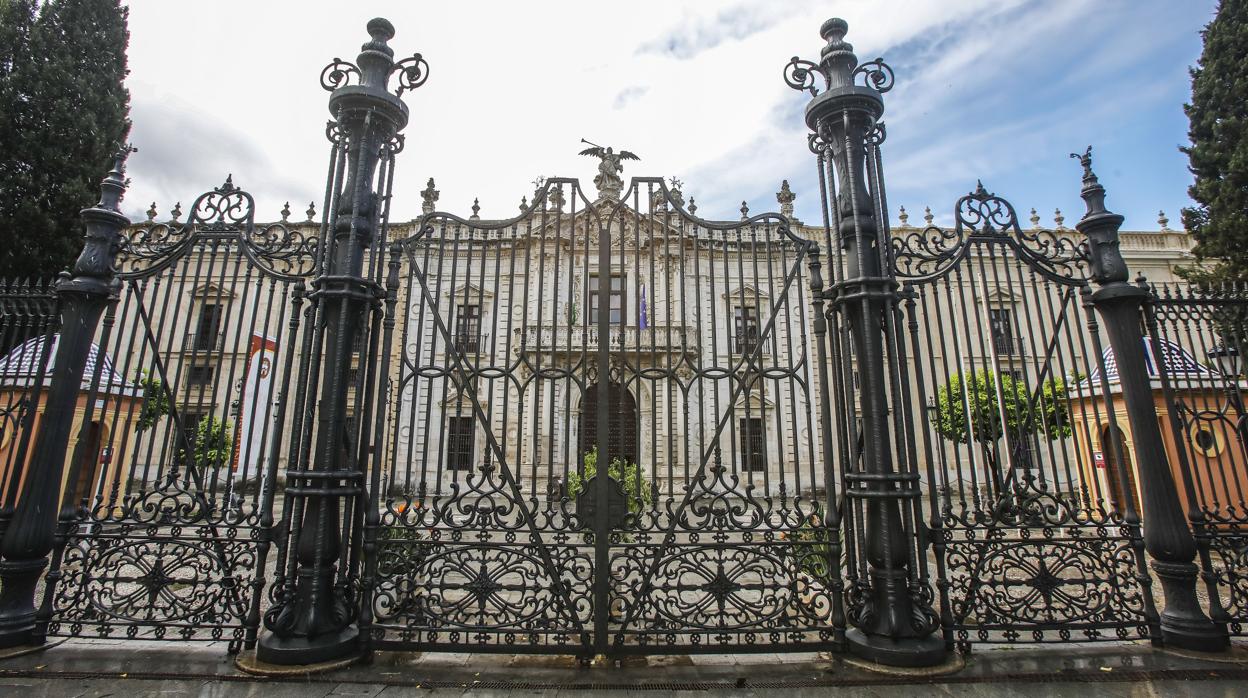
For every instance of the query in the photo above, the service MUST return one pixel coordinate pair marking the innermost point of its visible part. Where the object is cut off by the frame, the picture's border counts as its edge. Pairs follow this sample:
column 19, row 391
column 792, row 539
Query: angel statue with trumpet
column 608, row 181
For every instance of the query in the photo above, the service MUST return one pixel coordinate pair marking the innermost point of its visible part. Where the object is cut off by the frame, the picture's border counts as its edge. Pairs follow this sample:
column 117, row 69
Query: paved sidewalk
column 124, row 670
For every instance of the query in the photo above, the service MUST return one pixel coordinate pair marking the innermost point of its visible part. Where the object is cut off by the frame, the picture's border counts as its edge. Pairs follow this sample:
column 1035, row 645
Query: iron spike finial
column 113, row 186
column 1093, row 193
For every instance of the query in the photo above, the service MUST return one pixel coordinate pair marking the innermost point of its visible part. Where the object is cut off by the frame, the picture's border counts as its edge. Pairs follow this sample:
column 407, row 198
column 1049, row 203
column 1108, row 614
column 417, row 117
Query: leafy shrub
column 627, row 473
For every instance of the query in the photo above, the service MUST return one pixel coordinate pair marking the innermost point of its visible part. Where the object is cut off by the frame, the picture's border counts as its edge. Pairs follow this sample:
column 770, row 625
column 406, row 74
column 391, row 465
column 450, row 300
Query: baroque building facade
column 713, row 358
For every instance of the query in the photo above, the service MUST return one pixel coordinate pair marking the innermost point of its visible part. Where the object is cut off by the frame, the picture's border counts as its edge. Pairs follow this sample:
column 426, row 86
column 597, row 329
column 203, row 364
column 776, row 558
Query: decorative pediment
column 469, row 292
column 748, row 294
column 753, row 402
column 212, row 291
column 1001, row 296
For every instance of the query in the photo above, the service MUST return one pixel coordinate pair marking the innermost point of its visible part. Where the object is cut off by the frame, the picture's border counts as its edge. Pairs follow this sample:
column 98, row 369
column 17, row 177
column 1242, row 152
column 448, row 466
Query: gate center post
column 316, row 620
column 893, row 622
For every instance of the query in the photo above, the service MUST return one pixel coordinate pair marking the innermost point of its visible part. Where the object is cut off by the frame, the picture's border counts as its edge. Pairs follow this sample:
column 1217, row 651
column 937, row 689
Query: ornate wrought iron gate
column 1035, row 536
column 498, row 531
column 1197, row 338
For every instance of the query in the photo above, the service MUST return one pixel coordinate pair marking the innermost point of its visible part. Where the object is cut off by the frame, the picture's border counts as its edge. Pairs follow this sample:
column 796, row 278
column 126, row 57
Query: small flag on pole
column 641, row 321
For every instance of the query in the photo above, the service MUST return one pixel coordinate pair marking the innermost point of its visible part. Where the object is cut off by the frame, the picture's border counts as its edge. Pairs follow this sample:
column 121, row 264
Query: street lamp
column 1227, row 361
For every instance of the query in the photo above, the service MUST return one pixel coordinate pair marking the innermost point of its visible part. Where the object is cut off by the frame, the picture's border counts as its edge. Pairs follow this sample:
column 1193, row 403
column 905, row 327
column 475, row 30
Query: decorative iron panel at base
column 1229, row 551
column 157, row 582
column 720, row 589
column 1043, row 585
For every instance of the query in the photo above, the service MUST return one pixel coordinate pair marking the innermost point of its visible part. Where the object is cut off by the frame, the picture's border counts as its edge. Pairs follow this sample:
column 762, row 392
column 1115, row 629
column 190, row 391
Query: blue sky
column 1000, row 90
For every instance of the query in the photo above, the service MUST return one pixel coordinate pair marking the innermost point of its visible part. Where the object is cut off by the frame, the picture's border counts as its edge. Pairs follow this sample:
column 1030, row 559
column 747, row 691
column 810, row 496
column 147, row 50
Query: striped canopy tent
column 1182, row 368
column 20, row 368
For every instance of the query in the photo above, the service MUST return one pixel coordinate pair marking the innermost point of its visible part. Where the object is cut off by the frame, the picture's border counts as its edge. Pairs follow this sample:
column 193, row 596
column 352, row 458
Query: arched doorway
column 1118, row 490
column 622, row 432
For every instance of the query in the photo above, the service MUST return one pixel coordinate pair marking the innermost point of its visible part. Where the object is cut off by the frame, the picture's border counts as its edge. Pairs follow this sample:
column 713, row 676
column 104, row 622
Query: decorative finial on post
column 556, row 198
column 524, row 204
column 113, row 187
column 476, row 210
column 286, row 212
column 176, row 213
column 745, row 211
column 1163, row 221
column 786, row 197
column 429, row 198
column 927, row 216
column 1035, row 219
column 1100, row 227
column 693, row 207
column 152, row 213
column 903, row 218
column 1059, row 219
column 675, row 191
column 311, row 211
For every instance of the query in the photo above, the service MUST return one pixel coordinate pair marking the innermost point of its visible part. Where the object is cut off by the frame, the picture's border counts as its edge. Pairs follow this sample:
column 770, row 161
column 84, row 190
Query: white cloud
column 694, row 89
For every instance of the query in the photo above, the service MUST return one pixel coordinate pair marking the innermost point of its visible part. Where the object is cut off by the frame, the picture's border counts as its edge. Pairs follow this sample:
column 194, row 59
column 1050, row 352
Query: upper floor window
column 616, row 297
column 199, row 376
column 1001, row 321
column 468, row 328
column 745, row 328
column 208, row 327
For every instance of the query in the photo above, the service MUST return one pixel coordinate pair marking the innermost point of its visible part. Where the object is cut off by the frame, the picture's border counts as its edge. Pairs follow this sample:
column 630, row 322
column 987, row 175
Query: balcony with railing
column 204, row 342
column 656, row 339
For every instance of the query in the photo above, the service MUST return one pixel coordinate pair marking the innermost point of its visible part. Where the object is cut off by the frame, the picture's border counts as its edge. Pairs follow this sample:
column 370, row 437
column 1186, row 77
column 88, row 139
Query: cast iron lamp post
column 314, row 615
column 894, row 623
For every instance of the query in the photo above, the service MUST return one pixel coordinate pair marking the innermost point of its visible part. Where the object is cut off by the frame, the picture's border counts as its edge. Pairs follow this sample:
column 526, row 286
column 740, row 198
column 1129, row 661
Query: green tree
column 1218, row 154
column 63, row 115
column 997, row 405
column 155, row 401
column 214, row 444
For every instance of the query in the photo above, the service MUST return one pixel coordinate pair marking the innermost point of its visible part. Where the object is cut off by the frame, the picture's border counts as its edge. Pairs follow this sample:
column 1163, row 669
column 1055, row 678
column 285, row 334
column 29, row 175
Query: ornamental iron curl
column 413, row 72
column 339, row 74
column 983, row 217
column 876, row 74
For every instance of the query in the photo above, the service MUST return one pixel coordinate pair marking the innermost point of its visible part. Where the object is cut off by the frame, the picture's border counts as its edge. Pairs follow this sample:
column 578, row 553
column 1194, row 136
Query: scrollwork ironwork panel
column 1197, row 336
column 1030, row 493
column 168, row 503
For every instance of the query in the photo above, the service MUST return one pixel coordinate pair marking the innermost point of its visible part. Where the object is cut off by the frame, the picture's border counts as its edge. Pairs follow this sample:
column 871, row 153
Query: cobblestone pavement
column 133, row 670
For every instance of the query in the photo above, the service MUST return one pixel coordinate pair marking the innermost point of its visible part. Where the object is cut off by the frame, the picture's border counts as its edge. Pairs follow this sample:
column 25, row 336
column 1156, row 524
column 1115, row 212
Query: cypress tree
column 63, row 114
column 1218, row 155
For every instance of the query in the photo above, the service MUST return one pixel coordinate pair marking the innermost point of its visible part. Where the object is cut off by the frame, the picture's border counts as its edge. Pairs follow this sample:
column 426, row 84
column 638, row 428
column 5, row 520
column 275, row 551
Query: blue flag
column 641, row 320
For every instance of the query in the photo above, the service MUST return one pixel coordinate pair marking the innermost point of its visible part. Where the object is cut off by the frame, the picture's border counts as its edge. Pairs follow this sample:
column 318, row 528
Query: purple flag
column 641, row 321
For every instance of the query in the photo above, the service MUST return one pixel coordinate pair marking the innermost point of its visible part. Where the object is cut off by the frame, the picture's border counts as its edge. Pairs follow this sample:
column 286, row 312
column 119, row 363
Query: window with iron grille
column 616, row 299
column 753, row 447
column 199, row 376
column 468, row 328
column 208, row 328
column 1002, row 330
column 459, row 437
column 745, row 338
